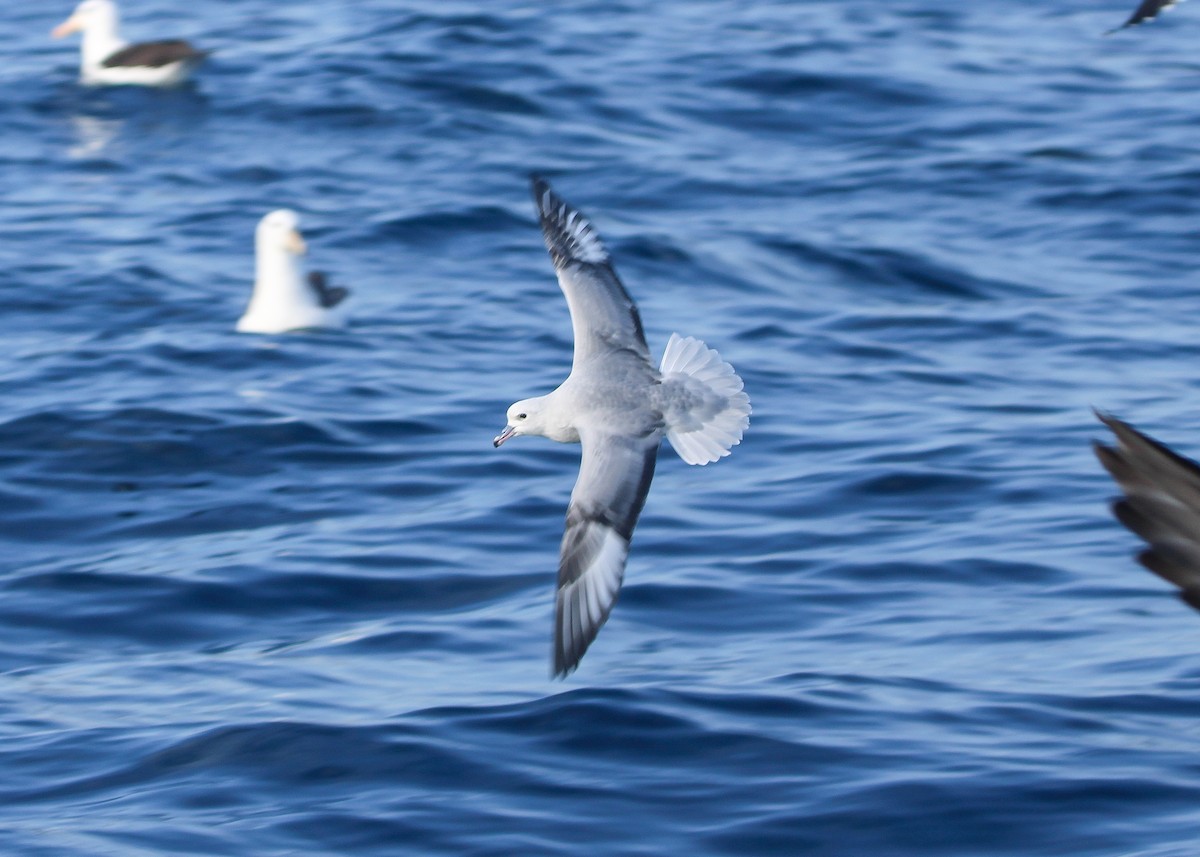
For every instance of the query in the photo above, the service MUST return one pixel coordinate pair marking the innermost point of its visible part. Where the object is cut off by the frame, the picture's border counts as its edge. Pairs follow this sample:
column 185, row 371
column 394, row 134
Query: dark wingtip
column 544, row 198
column 569, row 234
column 1123, row 430
column 1146, row 12
column 1128, row 25
column 563, row 666
column 1107, row 418
column 1106, row 454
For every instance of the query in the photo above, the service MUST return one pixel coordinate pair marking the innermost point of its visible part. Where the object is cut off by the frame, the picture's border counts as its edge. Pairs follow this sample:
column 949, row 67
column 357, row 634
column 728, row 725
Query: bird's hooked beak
column 72, row 25
column 295, row 243
column 508, row 432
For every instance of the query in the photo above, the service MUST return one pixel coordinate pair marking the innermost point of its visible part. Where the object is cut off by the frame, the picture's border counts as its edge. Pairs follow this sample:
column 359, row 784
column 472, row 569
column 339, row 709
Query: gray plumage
column 603, row 316
column 1161, row 504
column 611, row 377
column 618, row 405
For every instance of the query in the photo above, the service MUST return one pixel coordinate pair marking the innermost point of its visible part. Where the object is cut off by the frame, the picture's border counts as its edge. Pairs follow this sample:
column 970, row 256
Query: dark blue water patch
column 107, row 444
column 974, row 571
column 985, row 820
column 881, row 268
column 398, row 761
column 490, row 99
column 777, row 83
column 447, row 227
column 435, row 23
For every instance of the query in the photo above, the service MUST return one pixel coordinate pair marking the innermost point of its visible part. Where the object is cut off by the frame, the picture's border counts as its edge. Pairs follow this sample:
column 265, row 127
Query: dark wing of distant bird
column 614, row 478
column 1161, row 504
column 603, row 316
column 328, row 296
column 154, row 55
column 1147, row 11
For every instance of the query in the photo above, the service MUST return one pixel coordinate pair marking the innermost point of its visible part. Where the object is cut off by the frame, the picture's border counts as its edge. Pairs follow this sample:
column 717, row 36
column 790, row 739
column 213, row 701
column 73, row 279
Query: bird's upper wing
column 1161, row 504
column 614, row 478
column 603, row 315
column 1147, row 11
column 154, row 54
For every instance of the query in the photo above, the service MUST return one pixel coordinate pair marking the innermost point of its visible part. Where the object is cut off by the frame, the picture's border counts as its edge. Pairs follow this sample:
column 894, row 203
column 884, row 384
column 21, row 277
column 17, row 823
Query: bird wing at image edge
column 1161, row 504
column 1147, row 11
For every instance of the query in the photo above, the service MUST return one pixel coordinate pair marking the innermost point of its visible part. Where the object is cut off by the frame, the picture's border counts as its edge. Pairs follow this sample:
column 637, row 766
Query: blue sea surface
column 280, row 596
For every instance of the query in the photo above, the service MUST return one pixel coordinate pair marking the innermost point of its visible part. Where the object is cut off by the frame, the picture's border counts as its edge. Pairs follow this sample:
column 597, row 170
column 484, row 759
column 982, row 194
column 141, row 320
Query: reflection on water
column 100, row 115
column 93, row 135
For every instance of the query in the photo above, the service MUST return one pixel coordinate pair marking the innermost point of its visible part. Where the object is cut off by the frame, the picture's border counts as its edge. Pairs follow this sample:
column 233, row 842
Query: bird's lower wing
column 614, row 478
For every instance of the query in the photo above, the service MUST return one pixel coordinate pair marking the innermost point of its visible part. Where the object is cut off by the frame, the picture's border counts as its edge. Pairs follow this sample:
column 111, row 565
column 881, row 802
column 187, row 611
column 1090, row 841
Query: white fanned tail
column 705, row 407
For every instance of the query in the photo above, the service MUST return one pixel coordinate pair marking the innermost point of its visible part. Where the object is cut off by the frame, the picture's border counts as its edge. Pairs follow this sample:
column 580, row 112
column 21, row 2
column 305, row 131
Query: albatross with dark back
column 107, row 59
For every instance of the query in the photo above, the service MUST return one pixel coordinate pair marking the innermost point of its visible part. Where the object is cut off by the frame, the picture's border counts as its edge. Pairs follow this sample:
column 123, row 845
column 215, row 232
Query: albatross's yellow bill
column 67, row 27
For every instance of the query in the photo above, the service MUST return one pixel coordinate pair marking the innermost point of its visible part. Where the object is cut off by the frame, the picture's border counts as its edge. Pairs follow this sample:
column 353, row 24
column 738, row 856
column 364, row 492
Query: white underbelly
column 167, row 75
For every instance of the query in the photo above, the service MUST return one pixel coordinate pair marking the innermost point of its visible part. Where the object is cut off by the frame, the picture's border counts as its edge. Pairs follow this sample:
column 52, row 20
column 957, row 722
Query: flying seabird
column 283, row 298
column 1147, row 11
column 1161, row 504
column 106, row 58
column 618, row 406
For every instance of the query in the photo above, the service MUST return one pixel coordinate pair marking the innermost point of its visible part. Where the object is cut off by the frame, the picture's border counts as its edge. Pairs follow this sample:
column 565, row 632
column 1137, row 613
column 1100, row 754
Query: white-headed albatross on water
column 107, row 59
column 618, row 405
column 284, row 298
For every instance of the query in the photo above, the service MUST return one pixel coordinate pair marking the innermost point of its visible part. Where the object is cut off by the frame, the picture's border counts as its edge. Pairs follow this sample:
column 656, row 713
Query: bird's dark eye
column 521, row 416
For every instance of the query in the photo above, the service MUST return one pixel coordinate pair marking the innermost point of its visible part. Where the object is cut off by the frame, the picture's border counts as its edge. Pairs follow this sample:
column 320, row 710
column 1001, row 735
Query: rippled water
column 280, row 596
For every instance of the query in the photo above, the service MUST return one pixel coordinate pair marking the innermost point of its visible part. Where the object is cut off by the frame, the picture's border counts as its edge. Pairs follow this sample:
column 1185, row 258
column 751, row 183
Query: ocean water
column 280, row 596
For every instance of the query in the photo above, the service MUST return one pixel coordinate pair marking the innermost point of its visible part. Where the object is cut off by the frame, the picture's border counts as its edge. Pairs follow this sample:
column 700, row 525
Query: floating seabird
column 106, row 58
column 283, row 298
column 618, row 406
column 1161, row 504
column 1147, row 11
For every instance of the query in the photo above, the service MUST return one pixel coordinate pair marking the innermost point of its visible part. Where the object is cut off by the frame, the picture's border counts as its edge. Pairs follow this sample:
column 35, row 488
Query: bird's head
column 88, row 15
column 280, row 231
column 525, row 417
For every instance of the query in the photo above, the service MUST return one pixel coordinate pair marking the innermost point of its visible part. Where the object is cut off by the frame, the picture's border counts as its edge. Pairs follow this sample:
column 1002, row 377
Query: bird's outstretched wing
column 1147, row 11
column 1161, row 504
column 603, row 316
column 614, row 478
